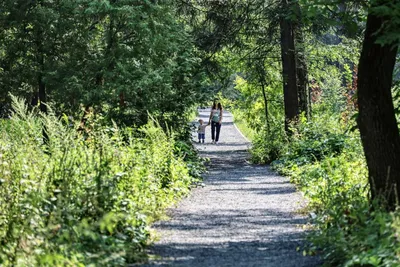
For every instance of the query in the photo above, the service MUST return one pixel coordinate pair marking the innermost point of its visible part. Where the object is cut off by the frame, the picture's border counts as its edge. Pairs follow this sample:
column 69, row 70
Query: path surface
column 244, row 216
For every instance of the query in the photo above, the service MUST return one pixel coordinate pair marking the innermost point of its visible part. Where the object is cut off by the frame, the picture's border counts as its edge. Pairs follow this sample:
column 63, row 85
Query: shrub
column 327, row 164
column 308, row 142
column 269, row 145
column 74, row 199
column 348, row 229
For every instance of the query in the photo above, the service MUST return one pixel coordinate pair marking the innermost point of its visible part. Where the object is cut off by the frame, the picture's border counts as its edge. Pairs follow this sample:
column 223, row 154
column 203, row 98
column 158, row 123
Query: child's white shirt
column 202, row 128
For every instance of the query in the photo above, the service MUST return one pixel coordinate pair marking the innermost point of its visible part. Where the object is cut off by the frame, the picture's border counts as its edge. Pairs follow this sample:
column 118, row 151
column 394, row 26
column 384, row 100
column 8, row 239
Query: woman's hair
column 219, row 106
column 214, row 105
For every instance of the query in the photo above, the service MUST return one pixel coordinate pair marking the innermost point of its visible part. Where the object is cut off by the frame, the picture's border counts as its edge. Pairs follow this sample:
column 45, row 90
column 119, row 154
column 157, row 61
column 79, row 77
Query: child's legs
column 203, row 136
column 199, row 136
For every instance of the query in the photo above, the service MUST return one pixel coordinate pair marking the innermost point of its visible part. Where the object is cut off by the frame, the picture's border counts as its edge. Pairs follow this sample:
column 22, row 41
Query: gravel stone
column 246, row 215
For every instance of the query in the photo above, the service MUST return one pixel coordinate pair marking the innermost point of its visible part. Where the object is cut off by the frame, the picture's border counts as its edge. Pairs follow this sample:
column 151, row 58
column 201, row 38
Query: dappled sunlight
column 244, row 216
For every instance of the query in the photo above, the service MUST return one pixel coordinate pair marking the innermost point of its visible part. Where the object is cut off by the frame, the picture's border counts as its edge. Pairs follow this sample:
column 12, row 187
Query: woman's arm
column 209, row 119
column 220, row 116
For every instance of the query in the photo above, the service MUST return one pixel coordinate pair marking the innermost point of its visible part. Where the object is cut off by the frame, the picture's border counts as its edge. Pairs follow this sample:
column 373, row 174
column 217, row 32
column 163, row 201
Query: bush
column 309, row 142
column 73, row 199
column 269, row 145
column 326, row 163
column 348, row 229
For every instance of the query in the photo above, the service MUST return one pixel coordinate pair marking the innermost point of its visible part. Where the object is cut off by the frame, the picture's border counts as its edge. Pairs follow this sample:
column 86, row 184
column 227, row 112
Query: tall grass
column 75, row 199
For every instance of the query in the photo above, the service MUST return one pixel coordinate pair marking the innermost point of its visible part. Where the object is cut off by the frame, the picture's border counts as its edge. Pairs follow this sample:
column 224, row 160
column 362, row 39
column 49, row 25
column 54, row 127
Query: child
column 201, row 130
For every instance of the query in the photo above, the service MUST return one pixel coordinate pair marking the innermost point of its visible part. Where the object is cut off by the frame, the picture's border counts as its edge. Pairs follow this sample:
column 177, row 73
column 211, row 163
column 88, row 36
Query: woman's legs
column 213, row 126
column 218, row 126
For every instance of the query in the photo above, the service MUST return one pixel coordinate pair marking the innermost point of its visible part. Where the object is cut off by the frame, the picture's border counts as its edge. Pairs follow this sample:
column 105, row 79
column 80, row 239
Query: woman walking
column 215, row 119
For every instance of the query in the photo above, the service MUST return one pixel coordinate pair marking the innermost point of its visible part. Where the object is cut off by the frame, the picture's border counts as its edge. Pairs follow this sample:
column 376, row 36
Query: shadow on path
column 244, row 216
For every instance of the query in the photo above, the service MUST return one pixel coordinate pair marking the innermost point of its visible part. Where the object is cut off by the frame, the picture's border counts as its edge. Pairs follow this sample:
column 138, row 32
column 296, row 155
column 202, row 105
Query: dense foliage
column 328, row 168
column 81, row 188
column 98, row 145
column 324, row 158
column 84, row 199
column 121, row 58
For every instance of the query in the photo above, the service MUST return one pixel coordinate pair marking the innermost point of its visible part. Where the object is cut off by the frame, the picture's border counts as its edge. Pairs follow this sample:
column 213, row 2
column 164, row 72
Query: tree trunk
column 40, row 62
column 301, row 64
column 302, row 73
column 376, row 120
column 302, row 81
column 42, row 93
column 41, row 84
column 265, row 104
column 290, row 95
column 262, row 75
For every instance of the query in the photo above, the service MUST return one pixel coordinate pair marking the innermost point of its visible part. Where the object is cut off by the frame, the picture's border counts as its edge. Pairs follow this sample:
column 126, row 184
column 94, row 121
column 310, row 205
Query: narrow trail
column 244, row 216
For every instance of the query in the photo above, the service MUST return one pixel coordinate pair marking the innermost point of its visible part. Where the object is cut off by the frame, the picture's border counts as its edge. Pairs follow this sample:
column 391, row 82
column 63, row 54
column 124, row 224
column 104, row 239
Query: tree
column 120, row 58
column 288, row 68
column 376, row 119
column 301, row 64
column 28, row 44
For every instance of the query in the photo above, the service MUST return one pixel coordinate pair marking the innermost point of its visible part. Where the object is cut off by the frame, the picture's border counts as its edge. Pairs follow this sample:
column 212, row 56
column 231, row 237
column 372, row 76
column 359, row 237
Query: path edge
column 237, row 128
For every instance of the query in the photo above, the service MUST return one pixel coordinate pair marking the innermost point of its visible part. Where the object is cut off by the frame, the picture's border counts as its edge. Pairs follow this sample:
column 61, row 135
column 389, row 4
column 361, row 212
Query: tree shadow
column 235, row 236
column 223, row 144
column 279, row 252
column 264, row 191
column 248, row 218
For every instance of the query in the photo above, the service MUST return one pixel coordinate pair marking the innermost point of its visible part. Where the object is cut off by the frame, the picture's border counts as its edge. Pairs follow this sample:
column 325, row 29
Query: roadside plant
column 81, row 199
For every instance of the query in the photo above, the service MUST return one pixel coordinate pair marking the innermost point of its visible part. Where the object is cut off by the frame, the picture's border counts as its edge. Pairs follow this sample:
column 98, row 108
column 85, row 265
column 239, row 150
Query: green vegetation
column 88, row 199
column 120, row 58
column 99, row 144
column 325, row 160
column 328, row 166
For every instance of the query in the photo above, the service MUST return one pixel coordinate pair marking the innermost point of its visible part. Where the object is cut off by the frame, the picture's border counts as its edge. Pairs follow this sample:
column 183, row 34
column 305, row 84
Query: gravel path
column 244, row 216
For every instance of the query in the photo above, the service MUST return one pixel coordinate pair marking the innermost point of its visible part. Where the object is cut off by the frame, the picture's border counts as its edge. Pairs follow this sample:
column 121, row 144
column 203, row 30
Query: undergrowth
column 74, row 199
column 327, row 164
